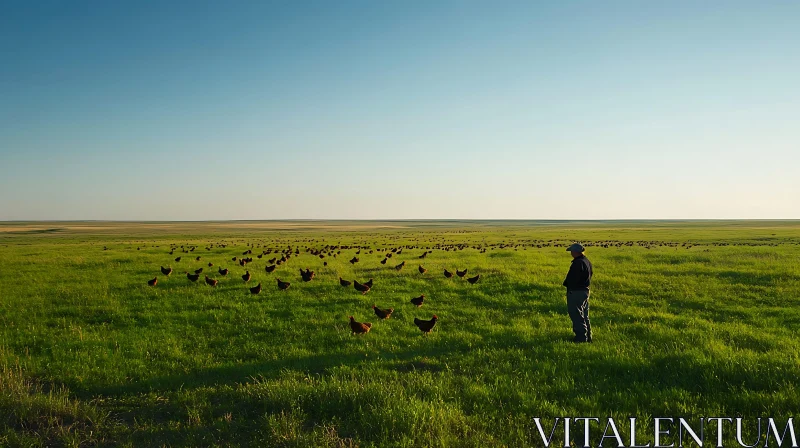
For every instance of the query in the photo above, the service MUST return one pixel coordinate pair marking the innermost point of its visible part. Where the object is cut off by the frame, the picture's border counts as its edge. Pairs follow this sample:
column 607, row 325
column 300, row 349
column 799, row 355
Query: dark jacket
column 579, row 275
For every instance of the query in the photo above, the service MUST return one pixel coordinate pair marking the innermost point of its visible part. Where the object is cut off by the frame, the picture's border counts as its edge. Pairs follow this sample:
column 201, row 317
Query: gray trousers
column 578, row 309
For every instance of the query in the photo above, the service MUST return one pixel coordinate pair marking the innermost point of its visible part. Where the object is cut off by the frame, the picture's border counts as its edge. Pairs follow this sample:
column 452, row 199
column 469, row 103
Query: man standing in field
column 577, row 283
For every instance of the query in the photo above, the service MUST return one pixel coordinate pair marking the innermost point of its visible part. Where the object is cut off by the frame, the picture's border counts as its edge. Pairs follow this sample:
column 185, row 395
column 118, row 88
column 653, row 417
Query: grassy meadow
column 690, row 319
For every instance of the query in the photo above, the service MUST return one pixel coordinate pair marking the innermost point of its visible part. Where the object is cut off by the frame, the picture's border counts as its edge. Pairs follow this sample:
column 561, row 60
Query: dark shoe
column 576, row 340
column 589, row 339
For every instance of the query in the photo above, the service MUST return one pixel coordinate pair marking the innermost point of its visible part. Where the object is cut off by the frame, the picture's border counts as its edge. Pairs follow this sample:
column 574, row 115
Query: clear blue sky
column 404, row 109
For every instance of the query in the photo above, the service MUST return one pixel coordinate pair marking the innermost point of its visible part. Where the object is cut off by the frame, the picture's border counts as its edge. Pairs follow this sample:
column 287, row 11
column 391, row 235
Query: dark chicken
column 211, row 281
column 255, row 289
column 166, row 271
column 344, row 282
column 283, row 285
column 426, row 325
column 306, row 275
column 152, row 282
column 246, row 276
column 383, row 314
column 363, row 289
column 418, row 300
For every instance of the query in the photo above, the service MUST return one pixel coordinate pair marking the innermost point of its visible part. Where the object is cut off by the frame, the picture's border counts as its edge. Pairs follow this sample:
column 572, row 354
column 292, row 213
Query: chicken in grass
column 223, row 272
column 152, row 282
column 211, row 281
column 448, row 274
column 198, row 271
column 426, row 325
column 306, row 275
column 166, row 271
column 400, row 266
column 384, row 261
column 363, row 289
column 473, row 280
column 417, row 301
column 354, row 260
column 368, row 283
column 256, row 289
column 422, row 270
column 359, row 327
column 283, row 285
column 270, row 268
column 344, row 282
column 246, row 276
column 192, row 277
column 461, row 273
column 178, row 259
column 383, row 314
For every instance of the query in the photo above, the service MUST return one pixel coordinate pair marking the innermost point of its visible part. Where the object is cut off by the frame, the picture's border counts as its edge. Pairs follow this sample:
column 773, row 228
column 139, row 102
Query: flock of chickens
column 307, row 275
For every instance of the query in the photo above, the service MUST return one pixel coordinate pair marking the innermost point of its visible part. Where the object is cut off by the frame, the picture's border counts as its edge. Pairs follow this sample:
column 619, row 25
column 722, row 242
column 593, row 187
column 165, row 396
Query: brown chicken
column 246, row 276
column 166, row 271
column 178, row 259
column 422, row 270
column 198, row 271
column 369, row 283
column 153, row 282
column 383, row 314
column 400, row 266
column 283, row 285
column 384, row 261
column 448, row 274
column 426, row 325
column 354, row 260
column 197, row 259
column 363, row 289
column 473, row 280
column 306, row 275
column 461, row 273
column 359, row 327
column 222, row 272
column 344, row 282
column 418, row 300
column 192, row 277
column 211, row 281
column 256, row 289
column 210, row 264
column 270, row 268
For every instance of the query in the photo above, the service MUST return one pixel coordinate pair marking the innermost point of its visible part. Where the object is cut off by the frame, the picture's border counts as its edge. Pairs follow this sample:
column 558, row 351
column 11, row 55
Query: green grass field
column 690, row 319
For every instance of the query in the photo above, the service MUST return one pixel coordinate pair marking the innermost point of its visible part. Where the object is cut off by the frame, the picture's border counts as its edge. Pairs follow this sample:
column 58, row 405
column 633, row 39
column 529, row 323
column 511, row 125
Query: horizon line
column 17, row 221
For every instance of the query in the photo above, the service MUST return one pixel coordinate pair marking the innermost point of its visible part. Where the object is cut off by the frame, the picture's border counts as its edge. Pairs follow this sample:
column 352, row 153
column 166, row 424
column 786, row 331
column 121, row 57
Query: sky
column 399, row 110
